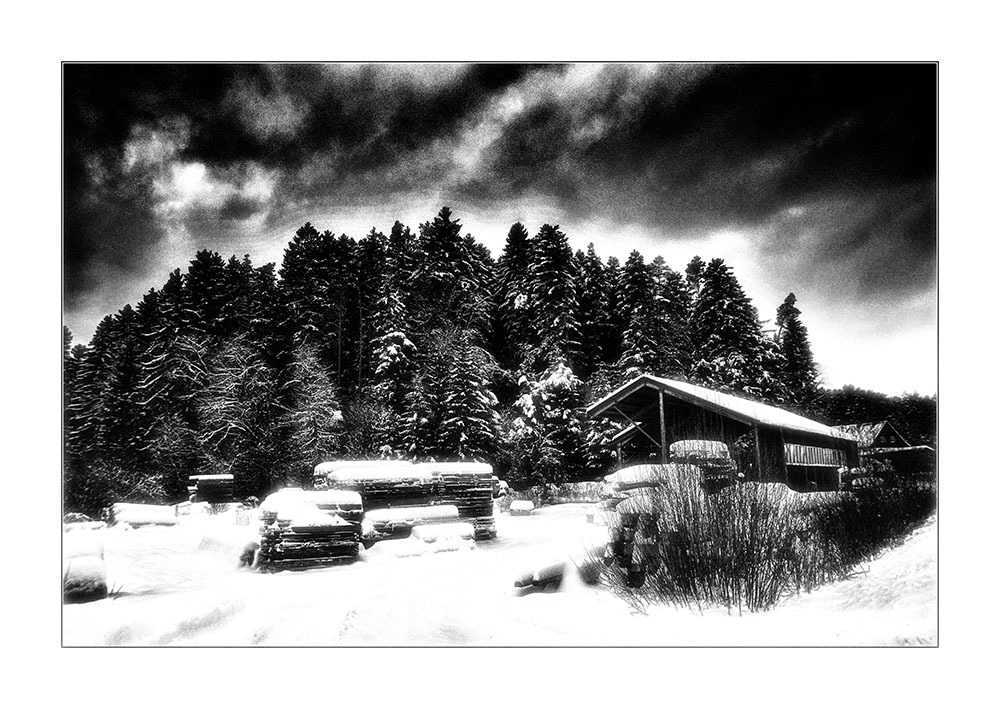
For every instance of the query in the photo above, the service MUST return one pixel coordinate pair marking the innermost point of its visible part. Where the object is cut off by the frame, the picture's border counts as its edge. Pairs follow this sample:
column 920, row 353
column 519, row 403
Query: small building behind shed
column 881, row 442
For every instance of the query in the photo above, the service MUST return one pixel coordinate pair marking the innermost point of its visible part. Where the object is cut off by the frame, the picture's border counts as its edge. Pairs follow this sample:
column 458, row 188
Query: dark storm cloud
column 687, row 150
column 340, row 124
column 830, row 167
column 237, row 207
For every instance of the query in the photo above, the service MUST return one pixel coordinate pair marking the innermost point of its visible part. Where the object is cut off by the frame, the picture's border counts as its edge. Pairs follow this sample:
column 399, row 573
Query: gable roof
column 743, row 410
column 866, row 433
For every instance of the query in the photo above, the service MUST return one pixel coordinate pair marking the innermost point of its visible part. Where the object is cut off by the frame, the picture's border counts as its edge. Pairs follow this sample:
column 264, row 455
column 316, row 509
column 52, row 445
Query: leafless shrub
column 749, row 545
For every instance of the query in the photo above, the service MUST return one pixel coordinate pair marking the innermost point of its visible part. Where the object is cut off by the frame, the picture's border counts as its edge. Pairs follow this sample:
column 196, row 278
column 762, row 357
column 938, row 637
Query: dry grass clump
column 750, row 544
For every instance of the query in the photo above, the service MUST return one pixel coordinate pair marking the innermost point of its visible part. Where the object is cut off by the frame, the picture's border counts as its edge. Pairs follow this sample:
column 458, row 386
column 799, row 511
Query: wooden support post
column 664, row 452
column 757, row 457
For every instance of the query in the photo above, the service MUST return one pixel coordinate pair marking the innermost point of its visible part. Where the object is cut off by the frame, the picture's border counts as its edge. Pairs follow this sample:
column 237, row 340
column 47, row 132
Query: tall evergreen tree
column 553, row 298
column 394, row 360
column 637, row 286
column 592, row 296
column 730, row 349
column 470, row 420
column 206, row 295
column 319, row 297
column 612, row 344
column 695, row 275
column 798, row 370
column 371, row 258
column 643, row 319
column 513, row 302
column 447, row 289
column 425, row 402
column 673, row 306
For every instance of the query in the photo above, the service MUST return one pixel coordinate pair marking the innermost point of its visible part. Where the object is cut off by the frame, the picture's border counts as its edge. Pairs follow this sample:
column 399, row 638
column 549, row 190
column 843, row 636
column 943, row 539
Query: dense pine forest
column 419, row 346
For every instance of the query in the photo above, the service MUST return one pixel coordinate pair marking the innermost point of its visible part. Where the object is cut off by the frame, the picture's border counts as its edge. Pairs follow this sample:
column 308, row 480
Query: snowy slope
column 182, row 586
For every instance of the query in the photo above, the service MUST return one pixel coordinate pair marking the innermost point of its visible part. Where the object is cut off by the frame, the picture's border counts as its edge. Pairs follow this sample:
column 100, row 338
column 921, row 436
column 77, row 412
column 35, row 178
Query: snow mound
column 136, row 514
column 430, row 533
column 649, row 475
column 295, row 495
column 84, row 526
column 412, row 515
column 522, row 507
column 411, row 547
column 83, row 544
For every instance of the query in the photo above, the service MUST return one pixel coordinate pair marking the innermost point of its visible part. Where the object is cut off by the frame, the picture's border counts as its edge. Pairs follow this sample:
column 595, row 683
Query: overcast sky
column 818, row 180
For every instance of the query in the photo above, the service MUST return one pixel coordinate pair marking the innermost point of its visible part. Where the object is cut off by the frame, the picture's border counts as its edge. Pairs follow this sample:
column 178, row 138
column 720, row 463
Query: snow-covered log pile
column 84, row 573
column 468, row 486
column 214, row 489
column 355, row 470
column 297, row 534
column 397, row 484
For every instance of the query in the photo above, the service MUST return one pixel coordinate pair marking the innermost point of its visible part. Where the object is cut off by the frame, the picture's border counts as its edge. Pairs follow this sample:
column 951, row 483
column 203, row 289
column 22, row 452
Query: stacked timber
column 468, row 487
column 297, row 534
column 214, row 489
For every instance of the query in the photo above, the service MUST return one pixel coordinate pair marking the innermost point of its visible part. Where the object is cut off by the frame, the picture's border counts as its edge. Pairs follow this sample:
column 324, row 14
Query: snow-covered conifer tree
column 799, row 373
column 553, row 300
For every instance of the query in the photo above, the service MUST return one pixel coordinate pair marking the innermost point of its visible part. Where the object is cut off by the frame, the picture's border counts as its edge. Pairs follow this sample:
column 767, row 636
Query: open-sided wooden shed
column 768, row 443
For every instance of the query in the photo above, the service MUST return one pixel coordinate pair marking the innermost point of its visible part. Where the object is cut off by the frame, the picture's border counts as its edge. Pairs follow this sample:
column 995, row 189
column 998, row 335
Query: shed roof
column 743, row 410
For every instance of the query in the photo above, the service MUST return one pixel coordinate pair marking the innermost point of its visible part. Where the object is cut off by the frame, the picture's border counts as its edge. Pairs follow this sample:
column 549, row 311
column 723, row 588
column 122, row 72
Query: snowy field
column 182, row 585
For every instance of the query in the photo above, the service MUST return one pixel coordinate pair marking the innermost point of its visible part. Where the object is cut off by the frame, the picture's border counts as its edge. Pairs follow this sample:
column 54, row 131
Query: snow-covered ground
column 182, row 585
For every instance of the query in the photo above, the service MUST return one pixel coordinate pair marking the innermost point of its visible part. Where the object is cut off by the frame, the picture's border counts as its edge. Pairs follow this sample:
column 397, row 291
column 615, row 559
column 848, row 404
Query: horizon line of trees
column 418, row 346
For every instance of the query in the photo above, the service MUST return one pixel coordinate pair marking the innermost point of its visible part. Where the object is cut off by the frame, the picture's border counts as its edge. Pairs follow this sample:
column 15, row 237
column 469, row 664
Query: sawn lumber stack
column 466, row 486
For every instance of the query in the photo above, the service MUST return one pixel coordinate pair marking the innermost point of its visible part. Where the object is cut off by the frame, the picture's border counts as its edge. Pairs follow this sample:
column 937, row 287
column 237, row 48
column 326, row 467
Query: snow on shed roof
column 746, row 410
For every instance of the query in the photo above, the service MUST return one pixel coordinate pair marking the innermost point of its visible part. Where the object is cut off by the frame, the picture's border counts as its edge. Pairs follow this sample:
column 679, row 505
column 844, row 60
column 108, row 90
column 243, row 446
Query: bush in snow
column 751, row 544
column 84, row 573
